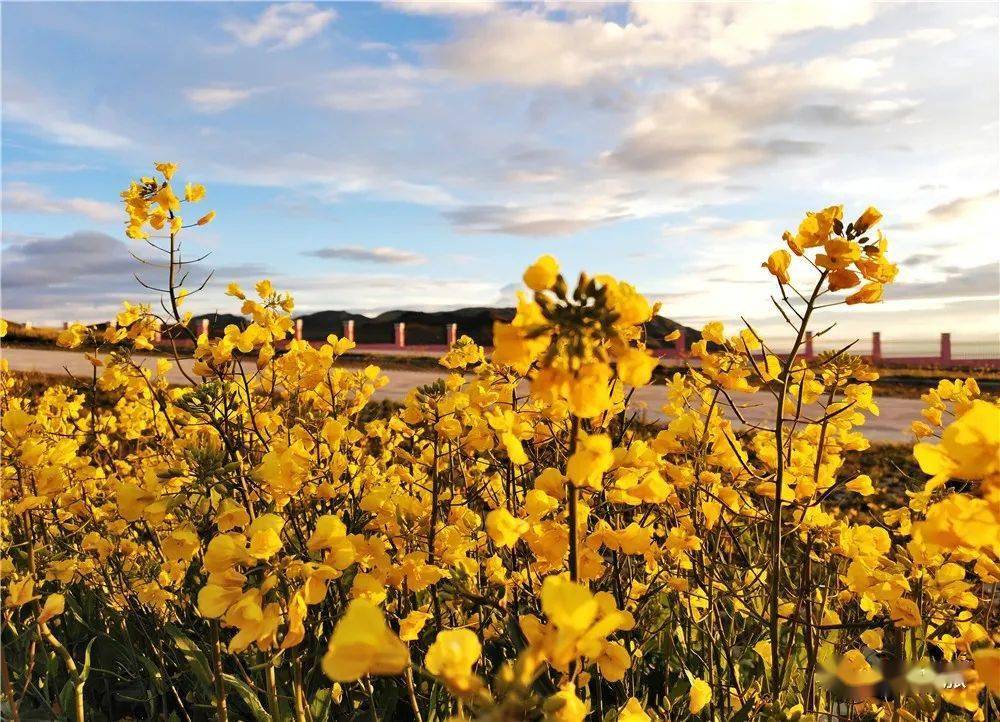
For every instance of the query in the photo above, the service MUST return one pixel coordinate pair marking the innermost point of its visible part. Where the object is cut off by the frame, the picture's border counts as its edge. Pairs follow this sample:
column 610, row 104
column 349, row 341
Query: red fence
column 941, row 352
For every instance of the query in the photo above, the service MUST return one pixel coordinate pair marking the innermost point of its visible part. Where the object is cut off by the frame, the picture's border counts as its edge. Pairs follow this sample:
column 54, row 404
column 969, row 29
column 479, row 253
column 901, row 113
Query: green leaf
column 386, row 699
column 432, row 714
column 322, row 703
column 743, row 713
column 66, row 699
column 249, row 697
column 153, row 672
column 678, row 689
column 195, row 658
column 85, row 672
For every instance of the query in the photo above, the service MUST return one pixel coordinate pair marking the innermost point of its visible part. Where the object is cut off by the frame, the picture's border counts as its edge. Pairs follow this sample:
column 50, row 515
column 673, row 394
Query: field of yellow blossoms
column 265, row 543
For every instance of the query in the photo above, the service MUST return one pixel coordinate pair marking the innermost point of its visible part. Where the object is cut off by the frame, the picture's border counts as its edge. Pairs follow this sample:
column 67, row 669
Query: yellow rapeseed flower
column 363, row 645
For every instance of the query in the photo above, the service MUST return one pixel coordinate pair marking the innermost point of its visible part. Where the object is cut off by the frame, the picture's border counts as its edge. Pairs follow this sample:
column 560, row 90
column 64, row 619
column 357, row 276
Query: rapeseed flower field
column 511, row 543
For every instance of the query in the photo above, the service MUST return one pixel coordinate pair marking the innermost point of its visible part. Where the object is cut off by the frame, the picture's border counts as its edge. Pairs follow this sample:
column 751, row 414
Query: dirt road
column 891, row 425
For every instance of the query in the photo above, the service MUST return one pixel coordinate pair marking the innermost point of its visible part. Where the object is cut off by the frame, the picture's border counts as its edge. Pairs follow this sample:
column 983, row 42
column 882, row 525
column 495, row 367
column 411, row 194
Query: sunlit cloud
column 281, row 26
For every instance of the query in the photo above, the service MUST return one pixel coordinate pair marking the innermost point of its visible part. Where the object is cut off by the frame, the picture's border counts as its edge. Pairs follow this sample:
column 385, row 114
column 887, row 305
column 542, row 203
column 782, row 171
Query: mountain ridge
column 425, row 327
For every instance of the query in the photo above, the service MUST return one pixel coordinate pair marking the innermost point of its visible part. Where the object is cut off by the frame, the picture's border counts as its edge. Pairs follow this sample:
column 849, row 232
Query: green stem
column 272, row 693
column 220, row 684
column 71, row 668
column 571, row 495
column 779, row 479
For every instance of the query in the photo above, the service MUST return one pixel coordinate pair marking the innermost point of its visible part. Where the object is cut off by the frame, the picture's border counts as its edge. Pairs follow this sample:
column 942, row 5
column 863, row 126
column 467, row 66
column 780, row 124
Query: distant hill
column 217, row 322
column 423, row 328
column 428, row 327
column 660, row 326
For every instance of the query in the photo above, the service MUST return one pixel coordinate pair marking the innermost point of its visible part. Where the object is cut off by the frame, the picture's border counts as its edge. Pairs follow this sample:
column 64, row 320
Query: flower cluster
column 152, row 204
column 843, row 248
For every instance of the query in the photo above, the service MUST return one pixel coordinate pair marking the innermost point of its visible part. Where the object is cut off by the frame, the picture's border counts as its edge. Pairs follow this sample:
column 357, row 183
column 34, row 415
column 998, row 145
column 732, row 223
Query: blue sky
column 372, row 156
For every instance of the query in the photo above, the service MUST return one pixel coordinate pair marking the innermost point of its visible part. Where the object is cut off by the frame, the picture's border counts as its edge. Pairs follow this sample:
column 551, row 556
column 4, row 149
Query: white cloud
column 370, row 99
column 859, row 113
column 962, row 208
column 82, row 275
column 741, row 230
column 981, row 22
column 703, row 131
column 281, row 26
column 948, row 235
column 28, row 198
column 375, row 293
column 444, row 7
column 553, row 219
column 723, row 229
column 874, row 46
column 363, row 88
column 932, row 36
column 36, row 167
column 86, row 274
column 382, row 255
column 529, row 48
column 922, row 36
column 735, row 33
column 217, row 98
column 48, row 119
column 318, row 174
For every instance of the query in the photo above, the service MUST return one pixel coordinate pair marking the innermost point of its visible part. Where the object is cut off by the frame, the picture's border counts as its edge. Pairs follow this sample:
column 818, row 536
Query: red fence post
column 809, row 344
column 946, row 347
column 400, row 332
column 298, row 329
column 451, row 333
column 876, row 346
column 349, row 330
column 680, row 343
